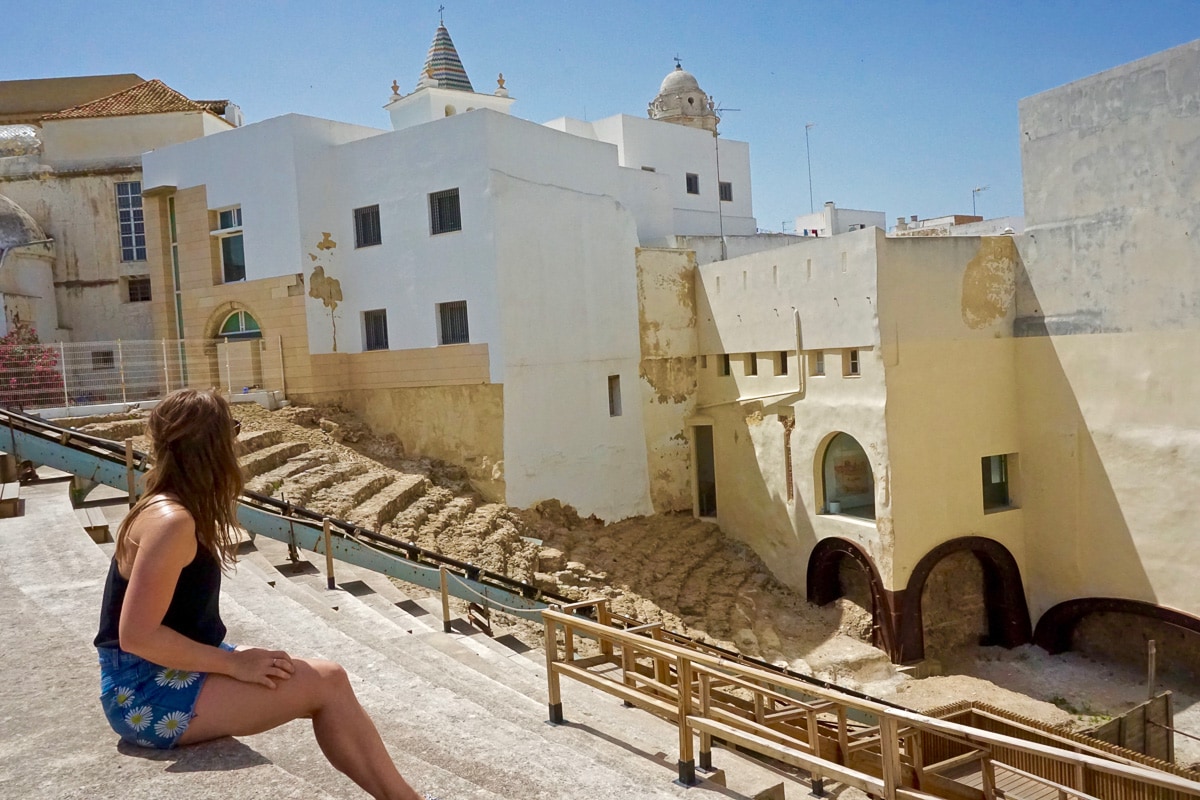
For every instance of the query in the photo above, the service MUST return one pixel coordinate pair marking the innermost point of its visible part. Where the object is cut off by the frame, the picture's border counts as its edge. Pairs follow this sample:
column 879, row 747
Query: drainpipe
column 801, row 363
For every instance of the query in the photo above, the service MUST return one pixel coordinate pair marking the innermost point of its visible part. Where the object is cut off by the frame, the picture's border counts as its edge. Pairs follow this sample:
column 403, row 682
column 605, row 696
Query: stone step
column 253, row 441
column 116, row 430
column 339, row 499
column 448, row 515
column 414, row 516
column 270, row 457
column 270, row 482
column 384, row 506
column 300, row 488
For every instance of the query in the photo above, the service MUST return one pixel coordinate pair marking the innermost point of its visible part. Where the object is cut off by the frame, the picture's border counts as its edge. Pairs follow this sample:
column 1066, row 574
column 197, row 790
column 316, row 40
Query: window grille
column 375, row 330
column 452, row 321
column 726, row 189
column 138, row 290
column 366, row 227
column 693, row 183
column 444, row 213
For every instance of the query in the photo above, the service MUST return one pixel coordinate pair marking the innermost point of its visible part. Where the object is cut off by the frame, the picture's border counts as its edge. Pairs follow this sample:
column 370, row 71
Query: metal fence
column 68, row 374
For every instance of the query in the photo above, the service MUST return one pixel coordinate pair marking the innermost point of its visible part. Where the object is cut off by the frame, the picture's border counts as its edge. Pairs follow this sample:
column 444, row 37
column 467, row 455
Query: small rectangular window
column 131, row 224
column 726, row 189
column 751, row 363
column 452, row 323
column 138, row 290
column 997, row 492
column 444, row 215
column 723, row 367
column 818, row 364
column 366, row 227
column 649, row 169
column 781, row 366
column 103, row 359
column 375, row 336
column 693, row 183
column 614, row 395
column 233, row 256
column 852, row 365
column 703, row 362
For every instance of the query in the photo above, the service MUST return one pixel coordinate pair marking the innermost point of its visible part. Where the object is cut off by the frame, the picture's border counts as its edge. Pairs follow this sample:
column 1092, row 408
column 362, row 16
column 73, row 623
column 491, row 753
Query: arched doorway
column 1057, row 627
column 846, row 479
column 840, row 568
column 1003, row 596
column 235, row 349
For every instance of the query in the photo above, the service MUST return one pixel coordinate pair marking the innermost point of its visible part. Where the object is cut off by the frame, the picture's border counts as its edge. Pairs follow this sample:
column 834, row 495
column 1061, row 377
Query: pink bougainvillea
column 29, row 374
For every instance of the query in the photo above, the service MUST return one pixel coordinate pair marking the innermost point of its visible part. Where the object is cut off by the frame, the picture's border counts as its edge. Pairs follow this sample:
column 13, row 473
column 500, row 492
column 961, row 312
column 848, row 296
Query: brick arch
column 1003, row 594
column 824, row 586
column 1056, row 626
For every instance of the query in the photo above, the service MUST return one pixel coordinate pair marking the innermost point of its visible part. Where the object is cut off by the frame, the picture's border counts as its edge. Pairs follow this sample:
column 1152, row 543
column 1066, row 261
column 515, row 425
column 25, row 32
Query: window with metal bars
column 375, row 336
column 131, row 225
column 138, row 290
column 726, row 189
column 693, row 183
column 366, row 226
column 452, row 323
column 444, row 213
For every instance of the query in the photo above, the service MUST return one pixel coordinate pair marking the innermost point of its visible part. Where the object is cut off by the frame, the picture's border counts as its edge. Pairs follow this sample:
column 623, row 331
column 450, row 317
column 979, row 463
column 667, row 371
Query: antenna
column 808, row 156
column 974, row 193
column 719, row 110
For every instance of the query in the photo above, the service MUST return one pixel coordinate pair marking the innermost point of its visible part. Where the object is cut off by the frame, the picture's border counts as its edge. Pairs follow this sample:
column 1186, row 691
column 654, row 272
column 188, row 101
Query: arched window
column 239, row 326
column 848, row 480
column 450, row 110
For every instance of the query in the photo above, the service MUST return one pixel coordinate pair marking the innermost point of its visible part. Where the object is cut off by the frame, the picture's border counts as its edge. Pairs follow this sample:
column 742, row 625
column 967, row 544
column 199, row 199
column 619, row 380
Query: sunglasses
column 237, row 427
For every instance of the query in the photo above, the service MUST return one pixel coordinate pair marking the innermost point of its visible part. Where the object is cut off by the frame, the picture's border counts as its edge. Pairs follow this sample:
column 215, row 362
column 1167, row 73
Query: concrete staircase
column 463, row 715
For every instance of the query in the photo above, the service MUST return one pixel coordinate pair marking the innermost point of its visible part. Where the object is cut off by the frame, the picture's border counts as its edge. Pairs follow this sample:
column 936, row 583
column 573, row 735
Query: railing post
column 604, row 617
column 329, row 581
column 62, row 366
column 121, row 370
column 228, row 372
column 987, row 777
column 129, row 481
column 445, row 580
column 705, row 708
column 554, row 691
column 889, row 743
column 166, row 369
column 687, row 757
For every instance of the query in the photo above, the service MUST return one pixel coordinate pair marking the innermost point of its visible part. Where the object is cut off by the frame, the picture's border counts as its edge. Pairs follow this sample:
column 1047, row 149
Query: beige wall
column 667, row 326
column 461, row 424
column 95, row 141
column 945, row 313
column 79, row 211
column 1108, row 322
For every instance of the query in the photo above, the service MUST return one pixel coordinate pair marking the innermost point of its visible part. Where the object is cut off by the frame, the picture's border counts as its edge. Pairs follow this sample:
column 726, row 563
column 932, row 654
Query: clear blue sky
column 914, row 103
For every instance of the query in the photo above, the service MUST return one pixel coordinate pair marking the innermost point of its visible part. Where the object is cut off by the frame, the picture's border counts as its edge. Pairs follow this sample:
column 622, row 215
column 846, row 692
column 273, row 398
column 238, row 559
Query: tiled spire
column 443, row 65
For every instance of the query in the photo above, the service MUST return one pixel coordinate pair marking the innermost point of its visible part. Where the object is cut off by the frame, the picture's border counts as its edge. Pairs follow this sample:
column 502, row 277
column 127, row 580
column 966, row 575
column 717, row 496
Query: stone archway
column 1055, row 628
column 1007, row 614
column 233, row 347
column 844, row 477
column 826, row 582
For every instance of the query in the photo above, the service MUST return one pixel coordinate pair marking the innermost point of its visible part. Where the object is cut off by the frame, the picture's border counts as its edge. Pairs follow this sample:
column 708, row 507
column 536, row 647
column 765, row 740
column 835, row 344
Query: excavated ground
column 670, row 568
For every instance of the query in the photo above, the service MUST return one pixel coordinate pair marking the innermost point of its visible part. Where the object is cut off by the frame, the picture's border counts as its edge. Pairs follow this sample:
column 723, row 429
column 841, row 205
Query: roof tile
column 150, row 97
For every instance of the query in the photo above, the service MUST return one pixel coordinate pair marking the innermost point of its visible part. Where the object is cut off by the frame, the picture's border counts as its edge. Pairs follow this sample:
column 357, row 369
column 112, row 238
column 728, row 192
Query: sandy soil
column 690, row 576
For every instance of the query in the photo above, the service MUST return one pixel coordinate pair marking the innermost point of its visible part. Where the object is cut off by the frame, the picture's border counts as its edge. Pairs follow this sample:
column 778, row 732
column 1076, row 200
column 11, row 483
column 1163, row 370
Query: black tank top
column 195, row 607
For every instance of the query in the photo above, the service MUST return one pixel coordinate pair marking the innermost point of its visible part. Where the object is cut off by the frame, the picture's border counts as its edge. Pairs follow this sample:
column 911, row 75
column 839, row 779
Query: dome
column 17, row 228
column 679, row 80
column 681, row 101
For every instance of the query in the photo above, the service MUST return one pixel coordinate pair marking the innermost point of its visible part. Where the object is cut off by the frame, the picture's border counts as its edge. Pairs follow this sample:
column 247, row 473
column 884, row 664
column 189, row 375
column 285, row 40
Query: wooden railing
column 902, row 755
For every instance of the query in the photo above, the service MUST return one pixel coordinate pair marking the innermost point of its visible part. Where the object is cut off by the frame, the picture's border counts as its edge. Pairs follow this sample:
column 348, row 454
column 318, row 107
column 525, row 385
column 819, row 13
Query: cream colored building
column 70, row 157
column 980, row 438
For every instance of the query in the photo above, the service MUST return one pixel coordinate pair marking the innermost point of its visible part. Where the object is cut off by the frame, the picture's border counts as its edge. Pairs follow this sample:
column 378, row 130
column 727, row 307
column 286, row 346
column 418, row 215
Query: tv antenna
column 975, row 193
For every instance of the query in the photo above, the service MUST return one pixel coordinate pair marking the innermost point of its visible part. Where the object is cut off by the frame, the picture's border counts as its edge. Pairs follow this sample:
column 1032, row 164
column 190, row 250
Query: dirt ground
column 690, row 576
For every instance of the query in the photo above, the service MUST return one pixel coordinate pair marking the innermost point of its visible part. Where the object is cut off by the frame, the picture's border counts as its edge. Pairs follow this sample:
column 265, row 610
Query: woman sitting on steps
column 166, row 676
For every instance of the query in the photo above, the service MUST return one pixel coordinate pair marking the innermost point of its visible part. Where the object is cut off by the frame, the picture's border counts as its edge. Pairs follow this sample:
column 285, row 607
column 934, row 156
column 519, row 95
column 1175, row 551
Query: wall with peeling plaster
column 667, row 371
column 1108, row 320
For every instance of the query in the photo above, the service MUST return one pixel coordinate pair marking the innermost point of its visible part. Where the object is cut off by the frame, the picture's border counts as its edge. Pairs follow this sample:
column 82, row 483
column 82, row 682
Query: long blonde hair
column 195, row 462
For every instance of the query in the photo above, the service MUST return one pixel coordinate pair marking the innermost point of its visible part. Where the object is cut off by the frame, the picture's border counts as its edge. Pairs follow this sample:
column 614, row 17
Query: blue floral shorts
column 146, row 704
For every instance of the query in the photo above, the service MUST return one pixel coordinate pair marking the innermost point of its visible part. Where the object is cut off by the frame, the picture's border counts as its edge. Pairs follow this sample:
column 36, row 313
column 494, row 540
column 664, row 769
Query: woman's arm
column 165, row 535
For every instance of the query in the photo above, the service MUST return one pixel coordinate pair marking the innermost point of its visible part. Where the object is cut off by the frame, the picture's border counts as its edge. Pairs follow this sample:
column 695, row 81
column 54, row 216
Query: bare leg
column 319, row 690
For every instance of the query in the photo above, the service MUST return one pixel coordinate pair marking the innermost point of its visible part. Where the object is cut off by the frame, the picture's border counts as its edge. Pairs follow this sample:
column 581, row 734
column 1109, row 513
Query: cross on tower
column 441, row 19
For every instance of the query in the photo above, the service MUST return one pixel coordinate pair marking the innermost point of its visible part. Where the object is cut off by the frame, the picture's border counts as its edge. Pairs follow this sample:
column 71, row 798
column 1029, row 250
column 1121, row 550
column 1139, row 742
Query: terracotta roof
column 27, row 101
column 150, row 97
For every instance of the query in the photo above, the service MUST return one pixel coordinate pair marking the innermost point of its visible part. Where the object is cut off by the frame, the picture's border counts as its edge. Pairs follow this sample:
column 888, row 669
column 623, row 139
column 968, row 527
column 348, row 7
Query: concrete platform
column 463, row 716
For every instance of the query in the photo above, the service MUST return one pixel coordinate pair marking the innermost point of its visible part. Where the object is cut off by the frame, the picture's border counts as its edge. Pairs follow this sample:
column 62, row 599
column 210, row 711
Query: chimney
column 901, row 225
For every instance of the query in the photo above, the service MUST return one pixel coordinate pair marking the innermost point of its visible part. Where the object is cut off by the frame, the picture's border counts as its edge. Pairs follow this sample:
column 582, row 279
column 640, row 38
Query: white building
column 831, row 221
column 465, row 248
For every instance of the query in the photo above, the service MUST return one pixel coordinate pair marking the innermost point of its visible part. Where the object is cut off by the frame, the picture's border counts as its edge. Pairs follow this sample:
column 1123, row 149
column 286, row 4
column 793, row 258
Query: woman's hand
column 264, row 667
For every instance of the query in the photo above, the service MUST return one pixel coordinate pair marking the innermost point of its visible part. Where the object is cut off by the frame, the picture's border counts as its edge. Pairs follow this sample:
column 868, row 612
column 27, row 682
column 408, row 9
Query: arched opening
column 953, row 607
column 239, row 326
column 450, row 110
column 846, row 480
column 1114, row 629
column 839, row 568
column 1004, row 606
